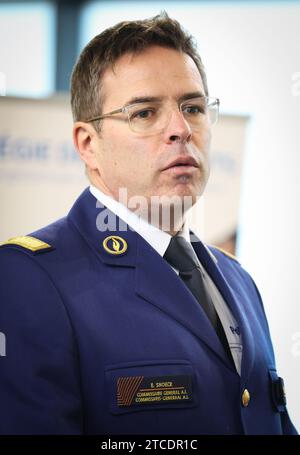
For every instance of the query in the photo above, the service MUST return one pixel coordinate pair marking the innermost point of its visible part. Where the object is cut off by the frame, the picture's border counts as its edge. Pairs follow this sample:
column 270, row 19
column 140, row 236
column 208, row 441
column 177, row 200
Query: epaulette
column 231, row 256
column 29, row 243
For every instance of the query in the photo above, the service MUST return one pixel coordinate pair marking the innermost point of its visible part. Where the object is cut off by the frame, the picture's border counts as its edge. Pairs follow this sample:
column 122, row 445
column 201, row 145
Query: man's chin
column 182, row 194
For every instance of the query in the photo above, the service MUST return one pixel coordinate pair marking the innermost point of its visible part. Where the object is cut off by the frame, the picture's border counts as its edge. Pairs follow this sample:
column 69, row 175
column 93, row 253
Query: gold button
column 245, row 398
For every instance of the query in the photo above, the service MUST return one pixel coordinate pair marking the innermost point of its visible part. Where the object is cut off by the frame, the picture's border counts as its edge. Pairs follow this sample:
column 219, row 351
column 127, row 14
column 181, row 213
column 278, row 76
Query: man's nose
column 177, row 128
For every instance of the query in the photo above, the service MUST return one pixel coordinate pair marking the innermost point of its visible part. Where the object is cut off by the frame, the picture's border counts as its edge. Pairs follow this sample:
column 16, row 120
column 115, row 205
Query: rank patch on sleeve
column 140, row 390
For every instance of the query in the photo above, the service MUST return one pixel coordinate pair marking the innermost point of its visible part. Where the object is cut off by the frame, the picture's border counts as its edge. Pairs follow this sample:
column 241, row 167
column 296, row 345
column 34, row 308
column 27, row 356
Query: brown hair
column 125, row 37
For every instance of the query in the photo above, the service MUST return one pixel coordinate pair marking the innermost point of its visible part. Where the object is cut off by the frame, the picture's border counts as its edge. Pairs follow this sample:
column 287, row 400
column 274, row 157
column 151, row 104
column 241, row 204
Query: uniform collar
column 158, row 239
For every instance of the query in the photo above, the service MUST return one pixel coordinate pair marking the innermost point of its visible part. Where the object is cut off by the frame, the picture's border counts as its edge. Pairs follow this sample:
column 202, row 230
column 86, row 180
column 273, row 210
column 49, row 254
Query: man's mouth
column 182, row 164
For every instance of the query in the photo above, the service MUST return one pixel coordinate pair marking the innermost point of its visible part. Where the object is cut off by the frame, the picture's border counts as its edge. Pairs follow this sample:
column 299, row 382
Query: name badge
column 141, row 390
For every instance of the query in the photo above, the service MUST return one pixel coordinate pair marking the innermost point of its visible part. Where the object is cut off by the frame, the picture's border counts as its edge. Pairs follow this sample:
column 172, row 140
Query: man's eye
column 193, row 109
column 143, row 114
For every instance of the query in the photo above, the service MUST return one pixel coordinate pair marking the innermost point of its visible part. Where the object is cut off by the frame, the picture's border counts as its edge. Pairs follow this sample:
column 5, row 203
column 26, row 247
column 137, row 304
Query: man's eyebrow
column 143, row 99
column 149, row 99
column 189, row 96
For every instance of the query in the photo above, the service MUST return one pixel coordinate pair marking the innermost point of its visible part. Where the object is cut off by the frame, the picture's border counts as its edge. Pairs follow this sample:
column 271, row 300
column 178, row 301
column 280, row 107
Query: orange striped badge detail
column 127, row 388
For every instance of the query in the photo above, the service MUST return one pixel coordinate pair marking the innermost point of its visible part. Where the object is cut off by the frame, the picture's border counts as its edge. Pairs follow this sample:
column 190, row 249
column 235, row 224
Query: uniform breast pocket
column 152, row 385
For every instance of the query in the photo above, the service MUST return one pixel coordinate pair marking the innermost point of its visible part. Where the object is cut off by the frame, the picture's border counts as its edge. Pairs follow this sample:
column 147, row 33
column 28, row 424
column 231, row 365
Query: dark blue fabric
column 76, row 319
column 181, row 255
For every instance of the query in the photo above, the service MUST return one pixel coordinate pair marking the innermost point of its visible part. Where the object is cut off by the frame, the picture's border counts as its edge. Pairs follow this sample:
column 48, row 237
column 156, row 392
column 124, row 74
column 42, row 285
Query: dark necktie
column 181, row 255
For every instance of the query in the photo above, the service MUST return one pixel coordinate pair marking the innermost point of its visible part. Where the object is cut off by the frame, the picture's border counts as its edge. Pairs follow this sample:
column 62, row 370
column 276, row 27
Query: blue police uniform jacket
column 102, row 337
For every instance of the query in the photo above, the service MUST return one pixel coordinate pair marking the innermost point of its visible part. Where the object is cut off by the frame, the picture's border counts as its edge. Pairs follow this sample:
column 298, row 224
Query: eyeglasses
column 151, row 117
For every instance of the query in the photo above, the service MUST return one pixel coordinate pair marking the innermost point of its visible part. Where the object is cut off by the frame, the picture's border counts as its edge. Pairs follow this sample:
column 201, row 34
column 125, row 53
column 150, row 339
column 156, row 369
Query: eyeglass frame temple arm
column 99, row 117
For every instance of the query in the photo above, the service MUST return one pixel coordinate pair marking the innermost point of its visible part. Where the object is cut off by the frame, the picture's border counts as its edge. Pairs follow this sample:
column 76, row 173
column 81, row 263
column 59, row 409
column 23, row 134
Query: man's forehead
column 156, row 71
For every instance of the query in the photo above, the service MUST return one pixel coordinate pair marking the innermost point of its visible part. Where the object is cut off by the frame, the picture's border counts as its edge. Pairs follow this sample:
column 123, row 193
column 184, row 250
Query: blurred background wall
column 251, row 51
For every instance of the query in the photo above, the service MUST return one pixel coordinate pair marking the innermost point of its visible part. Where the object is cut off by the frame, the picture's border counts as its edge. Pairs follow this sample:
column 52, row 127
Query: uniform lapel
column 234, row 302
column 158, row 284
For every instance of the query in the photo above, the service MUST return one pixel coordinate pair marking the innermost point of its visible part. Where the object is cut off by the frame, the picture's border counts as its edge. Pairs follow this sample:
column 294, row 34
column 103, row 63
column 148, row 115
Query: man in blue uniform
column 115, row 323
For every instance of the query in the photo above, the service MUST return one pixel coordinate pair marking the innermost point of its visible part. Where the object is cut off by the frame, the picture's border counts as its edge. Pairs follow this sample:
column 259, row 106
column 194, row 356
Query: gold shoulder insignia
column 231, row 256
column 28, row 242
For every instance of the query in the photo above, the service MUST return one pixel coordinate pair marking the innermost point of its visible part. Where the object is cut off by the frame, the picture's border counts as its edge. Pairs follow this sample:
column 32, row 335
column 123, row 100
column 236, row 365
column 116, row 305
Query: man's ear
column 85, row 139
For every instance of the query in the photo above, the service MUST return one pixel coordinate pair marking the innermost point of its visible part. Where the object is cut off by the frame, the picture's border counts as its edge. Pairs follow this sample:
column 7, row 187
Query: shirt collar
column 158, row 239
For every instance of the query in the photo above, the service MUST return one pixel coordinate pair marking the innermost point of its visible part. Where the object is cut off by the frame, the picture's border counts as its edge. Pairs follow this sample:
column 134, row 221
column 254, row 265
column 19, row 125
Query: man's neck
column 168, row 218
